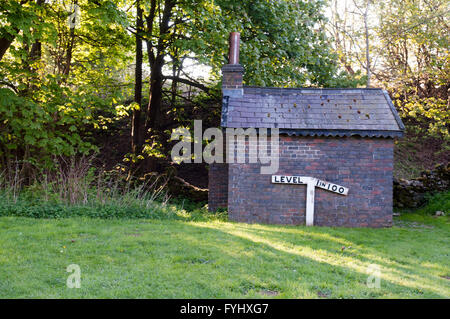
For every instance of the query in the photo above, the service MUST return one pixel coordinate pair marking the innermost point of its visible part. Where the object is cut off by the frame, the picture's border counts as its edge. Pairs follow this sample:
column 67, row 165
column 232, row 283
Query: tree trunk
column 5, row 42
column 366, row 29
column 70, row 45
column 156, row 78
column 36, row 47
column 155, row 97
column 136, row 121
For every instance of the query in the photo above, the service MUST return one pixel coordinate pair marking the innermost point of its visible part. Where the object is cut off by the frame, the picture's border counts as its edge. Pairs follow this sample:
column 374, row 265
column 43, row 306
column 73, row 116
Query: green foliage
column 430, row 115
column 43, row 129
column 436, row 202
column 59, row 82
column 27, row 206
column 407, row 44
column 282, row 42
column 415, row 45
column 17, row 20
column 77, row 188
column 124, row 206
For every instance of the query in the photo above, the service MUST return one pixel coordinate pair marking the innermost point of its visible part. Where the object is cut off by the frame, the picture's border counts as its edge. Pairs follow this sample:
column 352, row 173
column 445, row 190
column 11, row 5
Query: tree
column 414, row 45
column 14, row 20
column 71, row 68
column 354, row 34
column 283, row 44
column 136, row 119
column 54, row 81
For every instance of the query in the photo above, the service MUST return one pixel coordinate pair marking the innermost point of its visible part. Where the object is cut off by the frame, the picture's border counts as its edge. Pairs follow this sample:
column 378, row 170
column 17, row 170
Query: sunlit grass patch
column 144, row 258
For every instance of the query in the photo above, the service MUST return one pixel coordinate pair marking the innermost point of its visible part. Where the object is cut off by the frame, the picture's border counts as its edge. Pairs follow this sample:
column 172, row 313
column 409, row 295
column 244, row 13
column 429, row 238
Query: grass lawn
column 145, row 258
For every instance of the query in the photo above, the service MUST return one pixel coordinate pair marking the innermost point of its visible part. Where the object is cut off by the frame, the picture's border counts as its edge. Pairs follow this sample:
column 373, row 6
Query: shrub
column 436, row 202
column 75, row 188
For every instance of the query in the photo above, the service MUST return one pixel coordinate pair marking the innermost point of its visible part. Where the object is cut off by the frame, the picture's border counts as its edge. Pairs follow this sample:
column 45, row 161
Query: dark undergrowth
column 76, row 188
column 434, row 202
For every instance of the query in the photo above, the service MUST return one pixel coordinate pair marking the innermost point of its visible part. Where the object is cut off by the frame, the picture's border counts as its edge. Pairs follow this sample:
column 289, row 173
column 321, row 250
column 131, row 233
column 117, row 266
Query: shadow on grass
column 358, row 242
column 174, row 259
column 314, row 245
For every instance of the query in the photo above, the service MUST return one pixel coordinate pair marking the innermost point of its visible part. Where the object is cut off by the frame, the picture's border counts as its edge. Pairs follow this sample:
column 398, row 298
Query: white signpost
column 311, row 184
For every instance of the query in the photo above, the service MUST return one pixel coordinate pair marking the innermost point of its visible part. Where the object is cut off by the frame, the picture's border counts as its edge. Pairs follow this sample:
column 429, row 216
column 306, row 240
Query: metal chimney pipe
column 233, row 54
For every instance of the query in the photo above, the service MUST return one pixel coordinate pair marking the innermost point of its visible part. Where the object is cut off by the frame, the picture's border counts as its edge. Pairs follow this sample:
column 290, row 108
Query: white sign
column 311, row 184
column 280, row 179
column 331, row 187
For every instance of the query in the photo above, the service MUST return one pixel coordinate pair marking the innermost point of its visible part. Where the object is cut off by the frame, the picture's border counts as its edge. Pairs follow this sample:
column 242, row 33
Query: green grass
column 435, row 202
column 143, row 258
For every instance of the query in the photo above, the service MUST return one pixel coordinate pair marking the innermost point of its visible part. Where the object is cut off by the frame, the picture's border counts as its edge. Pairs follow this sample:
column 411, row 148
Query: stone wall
column 411, row 193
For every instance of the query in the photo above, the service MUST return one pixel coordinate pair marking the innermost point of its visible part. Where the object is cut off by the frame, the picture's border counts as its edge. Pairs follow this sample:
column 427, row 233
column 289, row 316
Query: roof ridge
column 307, row 88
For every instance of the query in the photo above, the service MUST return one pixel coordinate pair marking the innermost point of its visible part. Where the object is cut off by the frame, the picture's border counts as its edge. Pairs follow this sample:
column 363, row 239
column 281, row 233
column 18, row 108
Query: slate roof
column 313, row 112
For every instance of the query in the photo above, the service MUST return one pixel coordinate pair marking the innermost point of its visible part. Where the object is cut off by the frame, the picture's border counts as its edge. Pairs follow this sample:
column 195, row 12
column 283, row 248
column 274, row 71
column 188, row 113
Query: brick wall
column 232, row 75
column 364, row 165
column 218, row 186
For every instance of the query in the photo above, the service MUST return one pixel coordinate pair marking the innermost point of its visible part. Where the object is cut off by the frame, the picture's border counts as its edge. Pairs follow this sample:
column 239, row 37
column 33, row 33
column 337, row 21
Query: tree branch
column 11, row 86
column 189, row 82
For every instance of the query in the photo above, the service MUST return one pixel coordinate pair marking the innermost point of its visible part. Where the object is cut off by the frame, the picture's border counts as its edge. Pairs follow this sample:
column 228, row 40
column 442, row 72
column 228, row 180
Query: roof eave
column 330, row 133
column 341, row 133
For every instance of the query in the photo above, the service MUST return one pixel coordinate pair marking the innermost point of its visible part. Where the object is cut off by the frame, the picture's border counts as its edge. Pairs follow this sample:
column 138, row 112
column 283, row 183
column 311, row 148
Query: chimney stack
column 233, row 72
column 233, row 53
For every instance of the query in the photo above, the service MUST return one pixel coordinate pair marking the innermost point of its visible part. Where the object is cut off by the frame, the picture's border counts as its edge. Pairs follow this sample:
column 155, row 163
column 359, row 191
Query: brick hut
column 343, row 136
